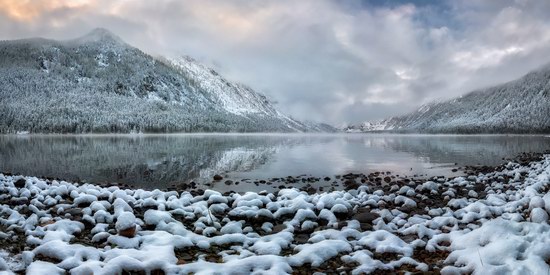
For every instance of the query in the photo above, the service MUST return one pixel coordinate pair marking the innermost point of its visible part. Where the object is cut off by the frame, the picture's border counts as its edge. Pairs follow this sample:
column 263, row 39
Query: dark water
column 157, row 161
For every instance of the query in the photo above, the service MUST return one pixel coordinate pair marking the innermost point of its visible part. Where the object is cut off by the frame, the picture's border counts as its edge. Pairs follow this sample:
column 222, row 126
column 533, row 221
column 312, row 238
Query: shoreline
column 343, row 134
column 337, row 182
column 372, row 226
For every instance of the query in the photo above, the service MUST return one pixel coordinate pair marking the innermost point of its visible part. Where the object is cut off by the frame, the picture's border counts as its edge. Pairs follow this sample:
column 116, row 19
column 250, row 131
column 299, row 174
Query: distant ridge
column 100, row 35
column 521, row 106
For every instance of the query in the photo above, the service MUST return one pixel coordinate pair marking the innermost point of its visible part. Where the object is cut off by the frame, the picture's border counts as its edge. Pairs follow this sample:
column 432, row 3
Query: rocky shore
column 488, row 220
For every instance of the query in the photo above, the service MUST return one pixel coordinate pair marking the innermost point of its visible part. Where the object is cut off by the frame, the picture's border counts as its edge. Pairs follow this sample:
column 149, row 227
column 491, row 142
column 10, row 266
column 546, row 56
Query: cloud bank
column 325, row 60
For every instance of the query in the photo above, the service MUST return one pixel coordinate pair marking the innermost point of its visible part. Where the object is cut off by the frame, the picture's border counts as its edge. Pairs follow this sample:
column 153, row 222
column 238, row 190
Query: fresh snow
column 501, row 229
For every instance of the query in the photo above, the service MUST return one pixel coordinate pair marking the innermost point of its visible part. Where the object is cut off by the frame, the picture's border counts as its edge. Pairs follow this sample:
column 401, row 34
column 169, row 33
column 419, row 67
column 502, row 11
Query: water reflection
column 161, row 160
column 139, row 160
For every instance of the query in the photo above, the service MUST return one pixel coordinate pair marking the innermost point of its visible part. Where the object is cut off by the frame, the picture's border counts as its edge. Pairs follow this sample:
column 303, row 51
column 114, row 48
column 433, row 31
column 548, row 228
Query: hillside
column 519, row 106
column 98, row 83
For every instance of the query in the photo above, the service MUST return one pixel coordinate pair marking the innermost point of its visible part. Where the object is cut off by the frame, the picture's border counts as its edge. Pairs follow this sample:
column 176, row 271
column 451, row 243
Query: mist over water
column 158, row 161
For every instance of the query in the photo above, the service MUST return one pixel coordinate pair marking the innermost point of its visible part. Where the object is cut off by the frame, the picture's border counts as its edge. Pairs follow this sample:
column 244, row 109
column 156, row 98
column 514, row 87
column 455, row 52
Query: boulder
column 20, row 183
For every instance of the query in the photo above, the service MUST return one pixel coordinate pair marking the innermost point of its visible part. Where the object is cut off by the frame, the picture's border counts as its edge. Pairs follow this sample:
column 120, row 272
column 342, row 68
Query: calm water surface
column 158, row 161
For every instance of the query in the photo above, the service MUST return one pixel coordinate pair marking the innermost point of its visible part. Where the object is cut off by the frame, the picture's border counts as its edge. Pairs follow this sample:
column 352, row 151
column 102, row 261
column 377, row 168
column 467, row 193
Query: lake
column 158, row 161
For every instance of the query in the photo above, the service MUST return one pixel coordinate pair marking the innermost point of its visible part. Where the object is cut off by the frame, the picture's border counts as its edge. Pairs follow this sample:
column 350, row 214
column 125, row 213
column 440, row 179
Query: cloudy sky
column 325, row 60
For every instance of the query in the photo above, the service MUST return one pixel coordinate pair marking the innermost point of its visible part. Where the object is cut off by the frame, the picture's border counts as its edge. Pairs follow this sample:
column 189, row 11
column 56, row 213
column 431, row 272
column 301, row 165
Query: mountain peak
column 101, row 35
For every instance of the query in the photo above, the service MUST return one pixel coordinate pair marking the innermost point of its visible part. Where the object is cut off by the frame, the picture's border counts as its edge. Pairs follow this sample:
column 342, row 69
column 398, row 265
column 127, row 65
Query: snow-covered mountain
column 98, row 83
column 235, row 98
column 519, row 106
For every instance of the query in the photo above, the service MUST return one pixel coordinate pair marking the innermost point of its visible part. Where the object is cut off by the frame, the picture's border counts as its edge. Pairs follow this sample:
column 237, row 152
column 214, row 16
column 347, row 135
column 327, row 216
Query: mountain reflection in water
column 157, row 161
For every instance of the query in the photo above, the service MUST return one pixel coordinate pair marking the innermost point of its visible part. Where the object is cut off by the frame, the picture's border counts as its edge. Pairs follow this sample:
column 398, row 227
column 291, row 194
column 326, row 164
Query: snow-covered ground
column 491, row 223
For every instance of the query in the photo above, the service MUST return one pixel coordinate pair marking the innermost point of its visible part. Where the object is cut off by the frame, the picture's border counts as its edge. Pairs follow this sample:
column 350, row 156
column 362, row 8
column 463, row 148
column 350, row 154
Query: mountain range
column 521, row 106
column 99, row 84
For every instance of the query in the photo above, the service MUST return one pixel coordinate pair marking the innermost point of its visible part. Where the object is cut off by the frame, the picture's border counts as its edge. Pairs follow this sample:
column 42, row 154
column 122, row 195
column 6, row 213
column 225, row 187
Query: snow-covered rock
column 539, row 215
column 126, row 224
column 484, row 234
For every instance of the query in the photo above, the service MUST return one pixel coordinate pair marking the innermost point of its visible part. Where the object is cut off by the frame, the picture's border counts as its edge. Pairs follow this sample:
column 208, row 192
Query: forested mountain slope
column 520, row 106
column 98, row 83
